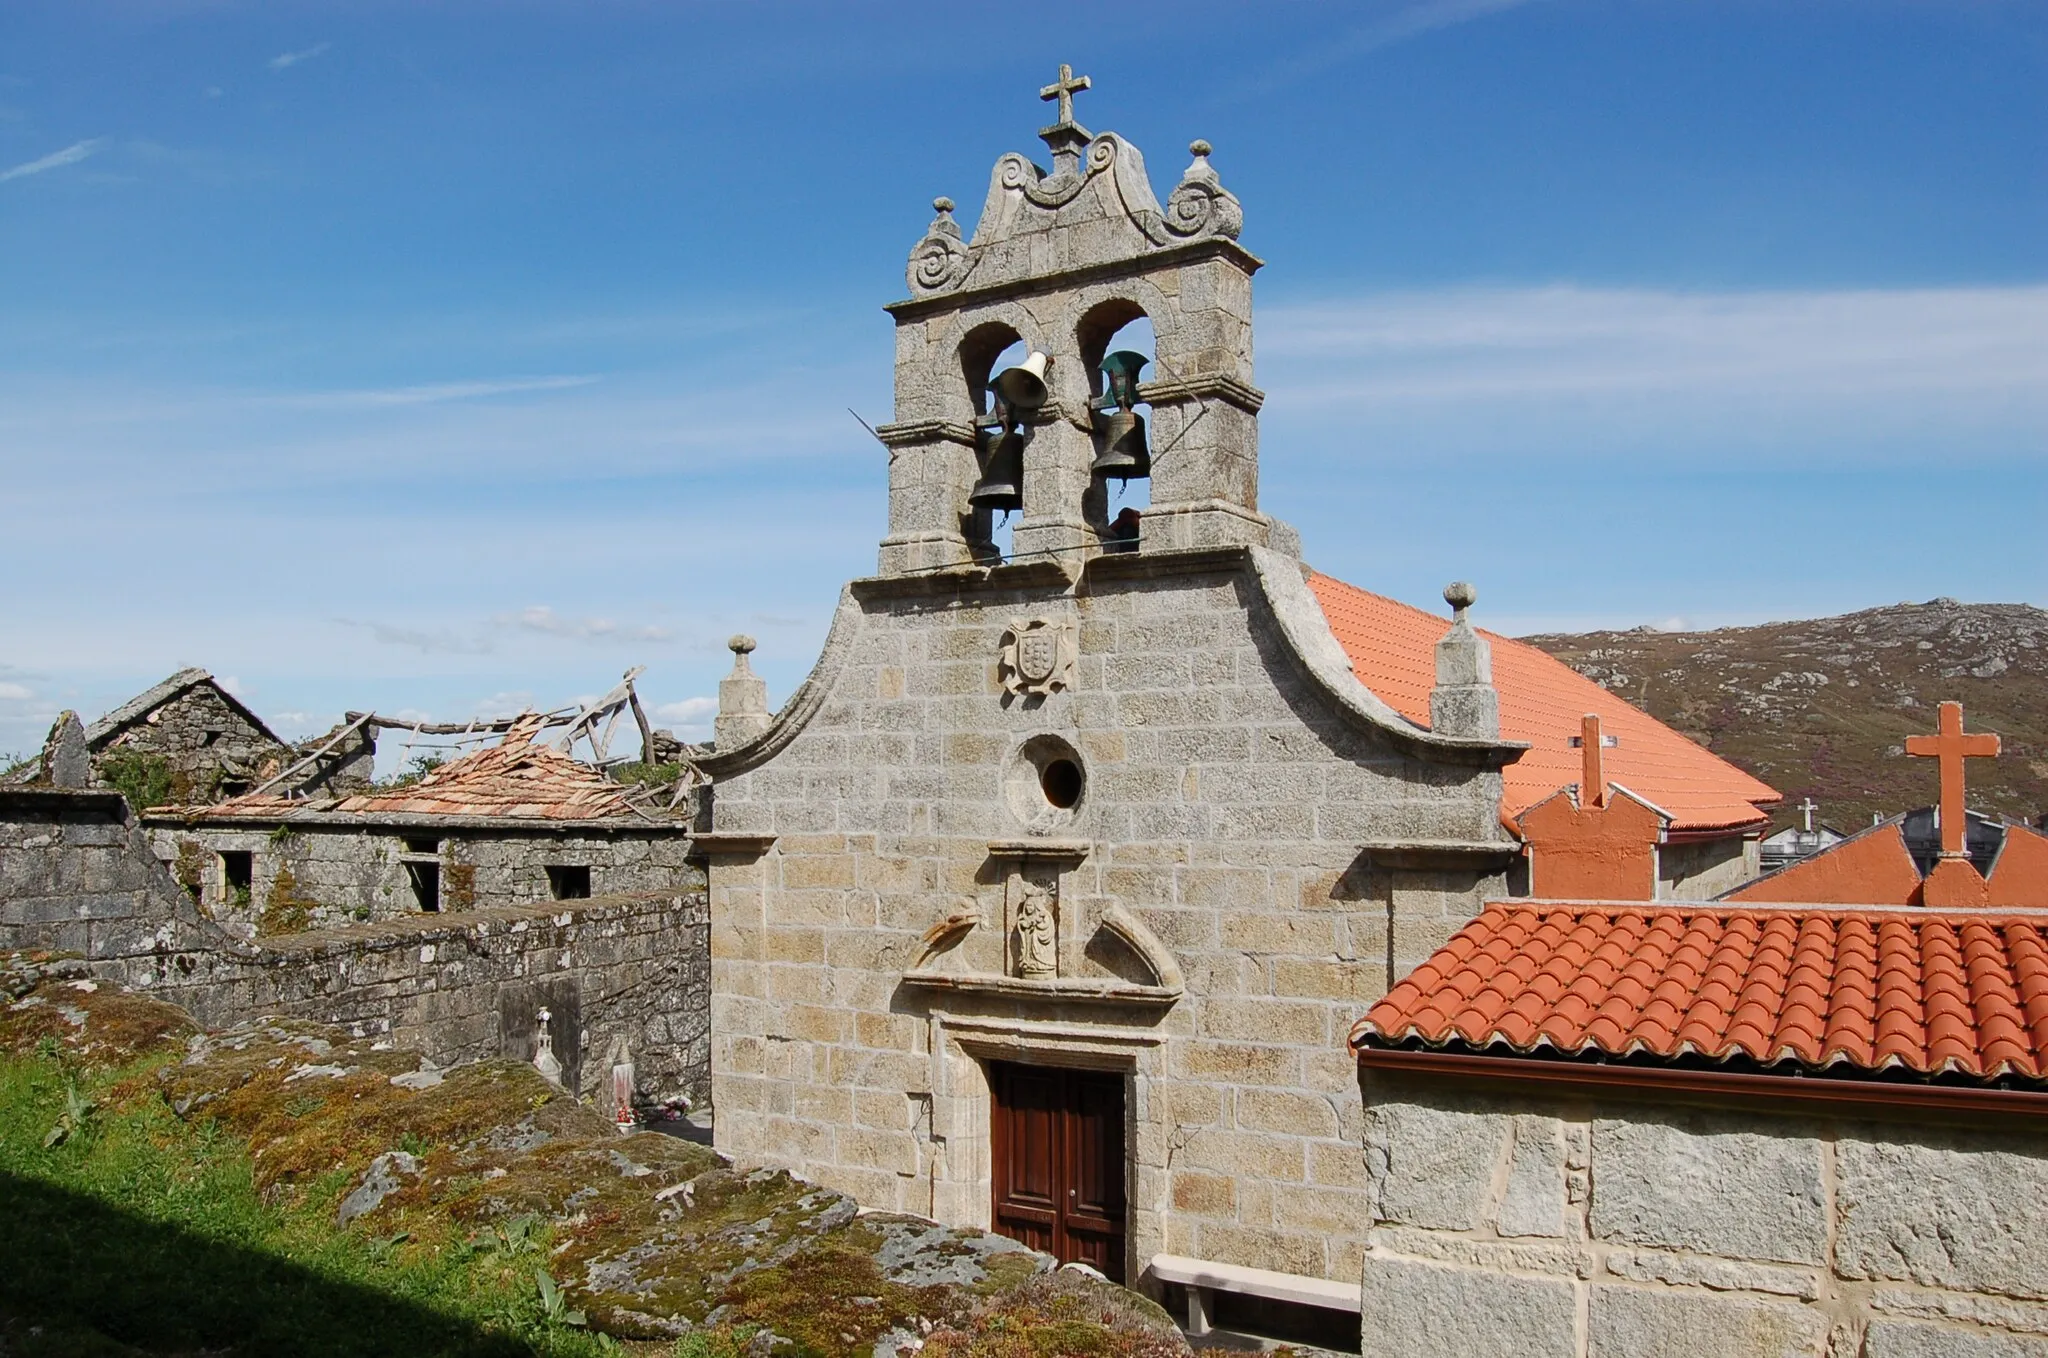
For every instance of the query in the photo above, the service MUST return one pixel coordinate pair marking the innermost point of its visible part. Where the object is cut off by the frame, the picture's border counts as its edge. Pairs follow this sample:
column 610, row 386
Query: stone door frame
column 961, row 1160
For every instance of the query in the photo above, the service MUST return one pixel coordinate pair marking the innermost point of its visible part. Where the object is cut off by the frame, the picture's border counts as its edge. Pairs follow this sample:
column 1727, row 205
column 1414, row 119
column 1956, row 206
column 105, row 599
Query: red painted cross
column 1952, row 747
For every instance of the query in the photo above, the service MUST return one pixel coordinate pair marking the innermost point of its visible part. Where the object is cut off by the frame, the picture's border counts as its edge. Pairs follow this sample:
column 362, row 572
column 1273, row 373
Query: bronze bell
column 1002, row 474
column 1124, row 453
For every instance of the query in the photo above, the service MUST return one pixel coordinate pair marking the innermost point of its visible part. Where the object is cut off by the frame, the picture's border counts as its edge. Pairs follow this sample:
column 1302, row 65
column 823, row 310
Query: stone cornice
column 314, row 818
column 909, row 433
column 1203, row 387
column 1042, row 574
column 1100, row 991
column 1441, row 853
column 1062, row 280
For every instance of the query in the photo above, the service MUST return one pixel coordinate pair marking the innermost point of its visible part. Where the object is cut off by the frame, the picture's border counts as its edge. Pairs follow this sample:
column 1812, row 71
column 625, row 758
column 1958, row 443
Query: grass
column 136, row 1232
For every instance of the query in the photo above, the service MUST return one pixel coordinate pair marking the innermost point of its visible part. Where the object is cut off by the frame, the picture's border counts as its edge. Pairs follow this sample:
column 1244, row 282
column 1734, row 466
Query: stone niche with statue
column 1104, row 817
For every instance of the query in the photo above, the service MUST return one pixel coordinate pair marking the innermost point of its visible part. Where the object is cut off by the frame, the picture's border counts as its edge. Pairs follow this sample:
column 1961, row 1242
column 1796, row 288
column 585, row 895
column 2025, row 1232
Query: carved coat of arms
column 1038, row 656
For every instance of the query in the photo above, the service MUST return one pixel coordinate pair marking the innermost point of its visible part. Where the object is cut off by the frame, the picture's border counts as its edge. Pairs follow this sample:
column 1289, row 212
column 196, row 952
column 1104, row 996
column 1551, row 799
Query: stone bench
column 1202, row 1278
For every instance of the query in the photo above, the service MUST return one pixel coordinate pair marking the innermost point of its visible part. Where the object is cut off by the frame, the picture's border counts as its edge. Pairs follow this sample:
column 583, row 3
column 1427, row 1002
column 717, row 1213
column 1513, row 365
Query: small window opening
column 233, row 787
column 422, row 844
column 426, row 884
column 208, row 739
column 1061, row 782
column 569, row 883
column 238, row 869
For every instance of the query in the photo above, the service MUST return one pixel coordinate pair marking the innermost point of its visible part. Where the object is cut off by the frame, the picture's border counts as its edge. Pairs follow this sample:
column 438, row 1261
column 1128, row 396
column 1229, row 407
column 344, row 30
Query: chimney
column 1592, row 761
column 1464, row 702
column 742, row 699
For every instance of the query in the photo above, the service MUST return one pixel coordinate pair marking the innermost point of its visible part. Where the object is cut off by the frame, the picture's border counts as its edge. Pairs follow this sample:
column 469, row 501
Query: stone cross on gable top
column 1064, row 89
column 1806, row 810
column 1951, row 746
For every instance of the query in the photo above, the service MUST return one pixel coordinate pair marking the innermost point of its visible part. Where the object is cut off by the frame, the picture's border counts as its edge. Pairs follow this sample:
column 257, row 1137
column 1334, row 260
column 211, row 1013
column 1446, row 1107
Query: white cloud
column 231, row 684
column 70, row 155
column 436, row 642
column 544, row 620
column 1410, row 21
column 16, row 693
column 1513, row 343
column 286, row 60
column 690, row 719
column 429, row 393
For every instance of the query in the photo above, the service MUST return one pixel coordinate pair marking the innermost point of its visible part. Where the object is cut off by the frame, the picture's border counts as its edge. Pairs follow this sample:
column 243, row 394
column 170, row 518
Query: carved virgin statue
column 1037, row 935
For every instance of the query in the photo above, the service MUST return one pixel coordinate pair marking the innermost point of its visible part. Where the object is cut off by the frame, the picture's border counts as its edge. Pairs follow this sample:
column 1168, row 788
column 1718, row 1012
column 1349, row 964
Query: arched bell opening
column 1117, row 347
column 998, row 493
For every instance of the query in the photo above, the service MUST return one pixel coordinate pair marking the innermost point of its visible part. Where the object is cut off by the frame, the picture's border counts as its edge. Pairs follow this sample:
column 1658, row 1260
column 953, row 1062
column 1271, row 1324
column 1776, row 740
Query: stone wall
column 1702, row 870
column 1225, row 803
column 460, row 987
column 212, row 748
column 1535, row 1223
column 78, row 875
column 312, row 874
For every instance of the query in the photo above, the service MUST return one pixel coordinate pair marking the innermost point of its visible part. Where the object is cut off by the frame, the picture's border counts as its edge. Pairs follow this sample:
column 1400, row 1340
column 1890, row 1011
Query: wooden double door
column 1059, row 1162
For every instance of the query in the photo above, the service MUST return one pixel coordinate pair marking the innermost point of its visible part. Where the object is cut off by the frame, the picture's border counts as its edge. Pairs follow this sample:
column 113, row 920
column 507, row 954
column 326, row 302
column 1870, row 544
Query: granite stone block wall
column 631, row 970
column 1537, row 1223
column 78, row 875
column 1224, row 808
column 327, row 875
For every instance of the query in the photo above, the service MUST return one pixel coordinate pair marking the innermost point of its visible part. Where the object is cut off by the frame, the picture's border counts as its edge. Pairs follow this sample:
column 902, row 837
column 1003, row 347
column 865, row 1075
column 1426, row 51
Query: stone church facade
column 1078, row 851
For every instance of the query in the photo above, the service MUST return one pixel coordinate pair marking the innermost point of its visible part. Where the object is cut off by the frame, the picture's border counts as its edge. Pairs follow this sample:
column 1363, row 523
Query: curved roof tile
column 1833, row 990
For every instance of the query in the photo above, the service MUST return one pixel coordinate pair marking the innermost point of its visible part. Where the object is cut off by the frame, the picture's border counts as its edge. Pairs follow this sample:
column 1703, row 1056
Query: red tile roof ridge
column 1764, row 909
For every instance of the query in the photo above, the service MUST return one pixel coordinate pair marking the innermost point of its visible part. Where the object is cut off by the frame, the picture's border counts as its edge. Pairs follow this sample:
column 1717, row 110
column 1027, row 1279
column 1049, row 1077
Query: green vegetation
column 285, row 911
column 416, row 768
column 144, row 779
column 133, row 1232
column 640, row 774
column 172, row 1192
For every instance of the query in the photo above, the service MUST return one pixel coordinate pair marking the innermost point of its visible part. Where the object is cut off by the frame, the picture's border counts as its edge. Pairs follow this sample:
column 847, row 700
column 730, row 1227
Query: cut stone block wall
column 329, row 875
column 77, row 875
column 1508, row 1221
column 631, row 969
column 1226, row 801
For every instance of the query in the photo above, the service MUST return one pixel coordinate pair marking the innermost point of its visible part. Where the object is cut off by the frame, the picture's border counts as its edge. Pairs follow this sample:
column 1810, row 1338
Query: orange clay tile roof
column 515, row 779
column 1825, row 990
column 1393, row 653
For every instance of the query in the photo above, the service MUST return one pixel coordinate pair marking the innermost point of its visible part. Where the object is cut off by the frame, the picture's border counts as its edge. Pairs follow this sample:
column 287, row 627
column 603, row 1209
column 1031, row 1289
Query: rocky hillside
column 1822, row 708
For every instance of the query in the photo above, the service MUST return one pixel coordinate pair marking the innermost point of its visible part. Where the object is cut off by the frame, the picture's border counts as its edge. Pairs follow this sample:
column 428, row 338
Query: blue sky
column 447, row 357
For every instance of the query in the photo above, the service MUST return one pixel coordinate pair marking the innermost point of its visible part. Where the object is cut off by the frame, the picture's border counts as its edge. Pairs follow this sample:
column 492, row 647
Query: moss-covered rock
column 649, row 1236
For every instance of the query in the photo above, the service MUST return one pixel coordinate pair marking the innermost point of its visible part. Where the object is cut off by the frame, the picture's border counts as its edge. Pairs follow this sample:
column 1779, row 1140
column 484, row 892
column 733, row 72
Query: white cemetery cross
column 544, row 1059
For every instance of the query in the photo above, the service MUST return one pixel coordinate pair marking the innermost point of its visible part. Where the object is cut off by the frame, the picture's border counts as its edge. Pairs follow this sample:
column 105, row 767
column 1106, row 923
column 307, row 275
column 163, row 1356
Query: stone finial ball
column 1198, row 147
column 942, row 204
column 1460, row 595
column 740, row 644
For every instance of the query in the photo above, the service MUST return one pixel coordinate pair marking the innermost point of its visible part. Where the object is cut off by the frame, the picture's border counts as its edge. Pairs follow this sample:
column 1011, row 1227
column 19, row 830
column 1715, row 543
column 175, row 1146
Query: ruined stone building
column 512, row 824
column 1048, row 900
column 189, row 740
column 446, row 914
